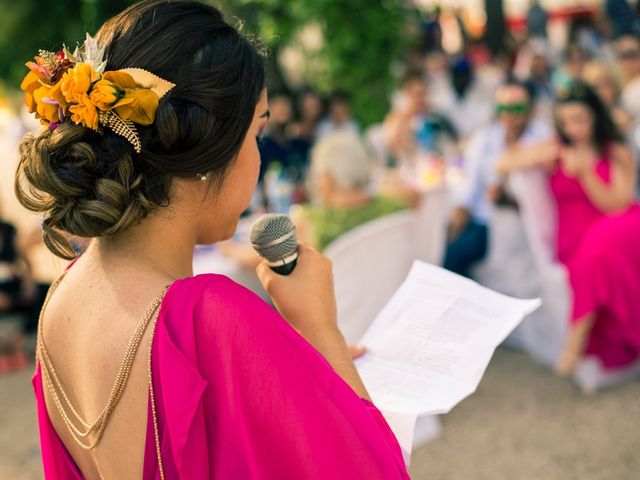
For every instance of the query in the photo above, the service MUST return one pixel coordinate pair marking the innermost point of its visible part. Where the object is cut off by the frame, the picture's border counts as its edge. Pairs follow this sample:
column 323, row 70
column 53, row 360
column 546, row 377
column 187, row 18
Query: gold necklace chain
column 156, row 433
column 60, row 397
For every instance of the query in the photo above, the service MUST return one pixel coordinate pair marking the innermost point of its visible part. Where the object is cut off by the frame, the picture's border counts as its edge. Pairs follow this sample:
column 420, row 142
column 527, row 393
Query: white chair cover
column 432, row 218
column 542, row 333
column 369, row 264
column 521, row 262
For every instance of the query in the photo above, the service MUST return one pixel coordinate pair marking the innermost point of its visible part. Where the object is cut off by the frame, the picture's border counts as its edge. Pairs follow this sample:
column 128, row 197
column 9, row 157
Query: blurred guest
column 338, row 117
column 283, row 161
column 431, row 31
column 17, row 296
column 538, row 70
column 303, row 135
column 585, row 32
column 592, row 177
column 340, row 177
column 16, row 287
column 309, row 112
column 574, row 58
column 533, row 66
column 628, row 54
column 436, row 66
column 274, row 142
column 462, row 97
column 412, row 126
column 468, row 236
column 622, row 18
column 537, row 18
column 602, row 79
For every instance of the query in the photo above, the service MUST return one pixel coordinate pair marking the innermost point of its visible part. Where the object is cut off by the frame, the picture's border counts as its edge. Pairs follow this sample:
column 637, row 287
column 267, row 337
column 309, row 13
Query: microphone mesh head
column 274, row 236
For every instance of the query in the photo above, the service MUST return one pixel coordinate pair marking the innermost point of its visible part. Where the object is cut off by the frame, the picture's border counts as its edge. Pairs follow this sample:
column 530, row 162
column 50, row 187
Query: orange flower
column 77, row 81
column 47, row 109
column 30, row 84
column 138, row 105
column 40, row 69
column 84, row 112
column 105, row 94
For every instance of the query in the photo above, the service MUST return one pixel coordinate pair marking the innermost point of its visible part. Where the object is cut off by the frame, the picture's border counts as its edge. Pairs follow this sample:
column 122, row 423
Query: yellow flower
column 84, row 112
column 118, row 91
column 77, row 81
column 138, row 105
column 121, row 79
column 105, row 94
column 30, row 84
column 47, row 108
column 56, row 94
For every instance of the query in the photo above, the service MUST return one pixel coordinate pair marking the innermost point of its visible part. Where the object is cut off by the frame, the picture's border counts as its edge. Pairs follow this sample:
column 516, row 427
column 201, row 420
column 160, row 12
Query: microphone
column 274, row 237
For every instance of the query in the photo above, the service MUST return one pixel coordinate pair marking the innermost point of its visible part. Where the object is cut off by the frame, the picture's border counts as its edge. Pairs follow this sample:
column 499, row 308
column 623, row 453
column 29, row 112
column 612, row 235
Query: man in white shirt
column 469, row 224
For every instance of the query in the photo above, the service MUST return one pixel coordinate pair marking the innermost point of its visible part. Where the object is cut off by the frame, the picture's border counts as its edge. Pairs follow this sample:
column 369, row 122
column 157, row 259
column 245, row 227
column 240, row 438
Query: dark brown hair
column 412, row 76
column 90, row 184
column 604, row 131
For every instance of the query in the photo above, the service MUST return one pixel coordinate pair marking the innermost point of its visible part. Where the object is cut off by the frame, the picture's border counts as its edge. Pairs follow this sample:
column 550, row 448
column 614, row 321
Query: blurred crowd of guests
column 467, row 121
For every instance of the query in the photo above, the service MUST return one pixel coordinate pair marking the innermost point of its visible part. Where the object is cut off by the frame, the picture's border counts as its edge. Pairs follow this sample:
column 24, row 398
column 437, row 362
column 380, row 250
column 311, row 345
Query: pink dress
column 241, row 395
column 602, row 255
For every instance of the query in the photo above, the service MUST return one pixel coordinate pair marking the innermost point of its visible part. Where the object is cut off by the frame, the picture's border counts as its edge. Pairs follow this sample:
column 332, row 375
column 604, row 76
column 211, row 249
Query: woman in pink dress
column 592, row 177
column 143, row 369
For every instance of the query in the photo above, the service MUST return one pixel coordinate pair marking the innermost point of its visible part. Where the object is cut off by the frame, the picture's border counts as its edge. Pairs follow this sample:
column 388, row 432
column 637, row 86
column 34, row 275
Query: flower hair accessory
column 73, row 87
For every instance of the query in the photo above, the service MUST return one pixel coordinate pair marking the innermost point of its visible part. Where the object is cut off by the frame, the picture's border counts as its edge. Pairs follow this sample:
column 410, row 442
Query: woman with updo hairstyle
column 144, row 370
column 592, row 178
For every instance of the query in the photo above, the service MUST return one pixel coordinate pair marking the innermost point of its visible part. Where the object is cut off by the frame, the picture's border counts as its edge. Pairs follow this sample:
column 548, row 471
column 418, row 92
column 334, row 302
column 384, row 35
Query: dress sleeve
column 274, row 407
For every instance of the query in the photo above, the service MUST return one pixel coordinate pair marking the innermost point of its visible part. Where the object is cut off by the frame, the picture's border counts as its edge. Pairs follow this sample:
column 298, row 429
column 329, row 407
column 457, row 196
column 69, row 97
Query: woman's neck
column 586, row 146
column 159, row 245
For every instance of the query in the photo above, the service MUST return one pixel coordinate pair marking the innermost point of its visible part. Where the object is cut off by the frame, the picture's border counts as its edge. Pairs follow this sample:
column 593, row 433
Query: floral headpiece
column 63, row 86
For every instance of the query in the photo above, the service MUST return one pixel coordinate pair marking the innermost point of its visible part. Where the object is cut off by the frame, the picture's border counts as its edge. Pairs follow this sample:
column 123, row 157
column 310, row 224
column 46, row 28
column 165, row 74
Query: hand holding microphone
column 298, row 279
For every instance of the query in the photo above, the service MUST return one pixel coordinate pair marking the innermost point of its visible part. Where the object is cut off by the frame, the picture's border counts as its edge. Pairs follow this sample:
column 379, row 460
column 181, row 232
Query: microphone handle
column 285, row 269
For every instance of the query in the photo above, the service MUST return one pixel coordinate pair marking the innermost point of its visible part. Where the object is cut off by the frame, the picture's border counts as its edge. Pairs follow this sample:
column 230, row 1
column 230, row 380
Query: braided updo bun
column 92, row 184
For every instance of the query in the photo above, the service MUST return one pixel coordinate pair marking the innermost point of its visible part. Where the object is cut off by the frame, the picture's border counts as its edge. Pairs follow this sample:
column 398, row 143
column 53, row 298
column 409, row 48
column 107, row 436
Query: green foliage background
column 29, row 25
column 361, row 39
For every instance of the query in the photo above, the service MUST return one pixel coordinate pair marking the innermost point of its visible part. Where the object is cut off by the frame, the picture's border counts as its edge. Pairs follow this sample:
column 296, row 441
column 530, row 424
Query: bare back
column 86, row 329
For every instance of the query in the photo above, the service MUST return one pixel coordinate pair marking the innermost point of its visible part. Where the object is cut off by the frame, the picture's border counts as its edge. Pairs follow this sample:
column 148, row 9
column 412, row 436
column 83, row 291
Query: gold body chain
column 79, row 428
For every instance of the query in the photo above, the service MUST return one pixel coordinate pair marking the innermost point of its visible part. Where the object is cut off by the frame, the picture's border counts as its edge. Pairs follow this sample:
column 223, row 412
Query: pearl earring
column 203, row 177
